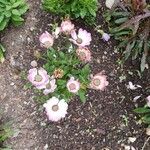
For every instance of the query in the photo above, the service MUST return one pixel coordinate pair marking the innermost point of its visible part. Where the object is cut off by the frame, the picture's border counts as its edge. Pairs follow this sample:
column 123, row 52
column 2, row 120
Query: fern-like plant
column 11, row 11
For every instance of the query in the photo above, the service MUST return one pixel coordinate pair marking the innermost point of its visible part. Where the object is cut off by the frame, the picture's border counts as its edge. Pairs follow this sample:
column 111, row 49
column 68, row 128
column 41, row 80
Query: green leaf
column 8, row 7
column 23, row 9
column 146, row 119
column 1, row 18
column 20, row 2
column 92, row 11
column 116, row 14
column 16, row 12
column 83, row 13
column 61, row 82
column 121, row 33
column 7, row 14
column 121, row 20
column 4, row 2
column 82, row 96
column 142, row 110
column 12, row 1
column 1, row 55
column 3, row 24
column 17, row 18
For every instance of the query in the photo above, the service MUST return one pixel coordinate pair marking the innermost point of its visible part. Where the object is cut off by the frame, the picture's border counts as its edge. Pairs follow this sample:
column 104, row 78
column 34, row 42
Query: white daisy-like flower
column 55, row 109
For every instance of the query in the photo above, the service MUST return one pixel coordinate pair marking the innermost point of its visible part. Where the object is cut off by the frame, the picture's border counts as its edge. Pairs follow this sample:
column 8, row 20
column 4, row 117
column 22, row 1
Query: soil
column 105, row 122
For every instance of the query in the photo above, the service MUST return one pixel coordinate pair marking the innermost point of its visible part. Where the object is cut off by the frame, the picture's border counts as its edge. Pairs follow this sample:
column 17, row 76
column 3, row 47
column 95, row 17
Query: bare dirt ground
column 105, row 122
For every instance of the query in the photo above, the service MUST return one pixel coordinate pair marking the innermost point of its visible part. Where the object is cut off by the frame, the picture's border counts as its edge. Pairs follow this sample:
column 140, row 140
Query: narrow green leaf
column 142, row 110
column 121, row 20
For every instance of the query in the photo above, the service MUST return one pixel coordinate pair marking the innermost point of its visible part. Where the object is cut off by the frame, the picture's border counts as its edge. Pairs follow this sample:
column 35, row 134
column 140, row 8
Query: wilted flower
column 55, row 109
column 58, row 73
column 57, row 32
column 84, row 54
column 50, row 86
column 132, row 86
column 105, row 37
column 46, row 40
column 73, row 85
column 148, row 101
column 82, row 39
column 99, row 81
column 38, row 77
column 109, row 3
column 67, row 26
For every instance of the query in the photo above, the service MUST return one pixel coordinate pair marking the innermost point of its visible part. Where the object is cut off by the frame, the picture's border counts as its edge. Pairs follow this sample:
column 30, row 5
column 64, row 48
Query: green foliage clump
column 129, row 23
column 71, row 66
column 85, row 9
column 5, row 133
column 144, row 112
column 11, row 11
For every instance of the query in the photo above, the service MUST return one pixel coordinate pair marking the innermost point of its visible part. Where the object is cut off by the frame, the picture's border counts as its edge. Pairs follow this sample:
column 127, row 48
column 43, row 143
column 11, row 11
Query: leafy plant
column 12, row 11
column 71, row 66
column 85, row 9
column 144, row 112
column 129, row 23
column 5, row 133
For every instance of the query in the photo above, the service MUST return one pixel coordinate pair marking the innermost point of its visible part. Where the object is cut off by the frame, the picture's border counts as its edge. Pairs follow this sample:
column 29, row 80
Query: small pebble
column 34, row 63
column 148, row 131
column 46, row 147
column 132, row 139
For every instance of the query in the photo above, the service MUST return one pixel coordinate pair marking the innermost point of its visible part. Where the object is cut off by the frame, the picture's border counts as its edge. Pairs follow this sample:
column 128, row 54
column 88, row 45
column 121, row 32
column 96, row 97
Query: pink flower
column 50, row 86
column 99, row 81
column 148, row 101
column 84, row 54
column 55, row 109
column 67, row 26
column 106, row 37
column 46, row 40
column 38, row 77
column 73, row 85
column 82, row 39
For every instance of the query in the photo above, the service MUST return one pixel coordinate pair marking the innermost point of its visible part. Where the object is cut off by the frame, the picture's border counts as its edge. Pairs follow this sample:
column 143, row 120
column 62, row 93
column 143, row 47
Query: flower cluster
column 61, row 77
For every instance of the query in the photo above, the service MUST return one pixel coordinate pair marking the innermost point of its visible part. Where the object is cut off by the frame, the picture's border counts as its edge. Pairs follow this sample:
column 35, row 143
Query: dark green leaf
column 121, row 20
column 142, row 110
